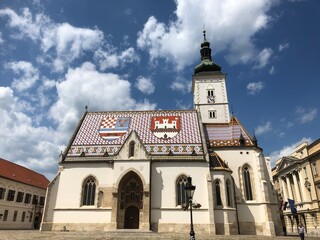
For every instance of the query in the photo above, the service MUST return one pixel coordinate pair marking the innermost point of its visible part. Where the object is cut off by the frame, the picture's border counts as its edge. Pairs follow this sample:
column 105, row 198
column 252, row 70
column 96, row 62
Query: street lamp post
column 190, row 191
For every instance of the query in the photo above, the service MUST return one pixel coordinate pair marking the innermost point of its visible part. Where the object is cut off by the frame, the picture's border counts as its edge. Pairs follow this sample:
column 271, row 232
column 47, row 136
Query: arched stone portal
column 132, row 203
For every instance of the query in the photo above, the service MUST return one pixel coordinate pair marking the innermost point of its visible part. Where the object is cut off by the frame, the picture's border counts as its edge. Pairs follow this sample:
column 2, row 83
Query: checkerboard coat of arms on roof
column 112, row 128
column 165, row 127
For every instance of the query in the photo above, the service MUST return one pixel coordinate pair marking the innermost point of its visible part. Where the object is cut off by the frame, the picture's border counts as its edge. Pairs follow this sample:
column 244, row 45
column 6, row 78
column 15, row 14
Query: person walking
column 301, row 231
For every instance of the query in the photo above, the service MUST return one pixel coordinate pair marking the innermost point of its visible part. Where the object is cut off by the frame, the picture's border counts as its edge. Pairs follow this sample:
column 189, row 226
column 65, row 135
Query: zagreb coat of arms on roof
column 112, row 128
column 165, row 127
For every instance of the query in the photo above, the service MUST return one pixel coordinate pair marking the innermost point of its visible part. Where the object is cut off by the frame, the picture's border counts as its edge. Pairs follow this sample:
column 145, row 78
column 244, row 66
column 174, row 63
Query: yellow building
column 22, row 196
column 297, row 180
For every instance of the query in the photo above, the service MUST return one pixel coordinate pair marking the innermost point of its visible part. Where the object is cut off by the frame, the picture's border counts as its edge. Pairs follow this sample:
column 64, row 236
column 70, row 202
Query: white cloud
column 100, row 91
column 69, row 42
column 306, row 115
column 28, row 75
column 286, row 150
column 283, row 46
column 25, row 24
column 1, row 39
column 145, row 85
column 263, row 58
column 109, row 58
column 230, row 26
column 263, row 128
column 61, row 43
column 272, row 70
column 181, row 85
column 255, row 87
column 21, row 141
column 44, row 98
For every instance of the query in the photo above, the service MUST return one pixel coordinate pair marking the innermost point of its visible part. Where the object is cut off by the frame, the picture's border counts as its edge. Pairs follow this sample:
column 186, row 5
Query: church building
column 129, row 169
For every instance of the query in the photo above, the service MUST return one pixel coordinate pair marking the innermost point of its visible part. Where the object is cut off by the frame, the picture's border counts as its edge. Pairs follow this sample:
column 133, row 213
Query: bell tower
column 209, row 88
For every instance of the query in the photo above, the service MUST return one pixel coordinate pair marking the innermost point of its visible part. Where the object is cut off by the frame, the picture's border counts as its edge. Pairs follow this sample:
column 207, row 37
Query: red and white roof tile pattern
column 89, row 141
column 220, row 135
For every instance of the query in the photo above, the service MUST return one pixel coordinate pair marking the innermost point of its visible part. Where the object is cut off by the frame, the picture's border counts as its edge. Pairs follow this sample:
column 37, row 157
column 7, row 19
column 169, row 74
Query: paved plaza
column 86, row 235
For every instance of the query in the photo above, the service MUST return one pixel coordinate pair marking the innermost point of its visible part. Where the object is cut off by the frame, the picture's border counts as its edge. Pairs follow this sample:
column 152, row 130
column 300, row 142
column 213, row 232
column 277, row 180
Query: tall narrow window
column 35, row 199
column 218, row 194
column 27, row 199
column 180, row 190
column 41, row 202
column 2, row 192
column 89, row 191
column 247, row 183
column 15, row 214
column 210, row 96
column 228, row 188
column 131, row 149
column 11, row 194
column 23, row 217
column 5, row 215
column 20, row 196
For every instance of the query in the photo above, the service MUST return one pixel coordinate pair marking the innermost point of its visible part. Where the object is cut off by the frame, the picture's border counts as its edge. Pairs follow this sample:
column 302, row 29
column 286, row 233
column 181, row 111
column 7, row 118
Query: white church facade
column 129, row 169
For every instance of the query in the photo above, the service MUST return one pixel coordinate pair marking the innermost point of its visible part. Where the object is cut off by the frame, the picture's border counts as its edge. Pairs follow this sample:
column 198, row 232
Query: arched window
column 218, row 193
column 180, row 190
column 131, row 149
column 228, row 188
column 247, row 183
column 89, row 191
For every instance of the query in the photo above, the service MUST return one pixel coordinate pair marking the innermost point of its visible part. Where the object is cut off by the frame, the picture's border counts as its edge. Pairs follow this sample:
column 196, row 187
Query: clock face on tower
column 210, row 99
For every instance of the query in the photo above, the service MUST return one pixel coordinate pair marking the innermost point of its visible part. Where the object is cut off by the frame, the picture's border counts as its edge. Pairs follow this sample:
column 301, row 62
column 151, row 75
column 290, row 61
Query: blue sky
column 58, row 56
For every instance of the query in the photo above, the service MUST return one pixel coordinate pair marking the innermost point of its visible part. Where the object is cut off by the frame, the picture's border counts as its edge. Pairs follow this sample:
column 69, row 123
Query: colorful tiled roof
column 21, row 174
column 228, row 134
column 216, row 163
column 102, row 132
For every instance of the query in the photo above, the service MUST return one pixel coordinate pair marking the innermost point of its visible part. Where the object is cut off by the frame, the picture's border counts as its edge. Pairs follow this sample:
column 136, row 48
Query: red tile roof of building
column 21, row 174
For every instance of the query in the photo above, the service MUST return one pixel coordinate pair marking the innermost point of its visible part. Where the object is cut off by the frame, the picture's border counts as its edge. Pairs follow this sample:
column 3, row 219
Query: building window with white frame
column 11, row 194
column 20, row 197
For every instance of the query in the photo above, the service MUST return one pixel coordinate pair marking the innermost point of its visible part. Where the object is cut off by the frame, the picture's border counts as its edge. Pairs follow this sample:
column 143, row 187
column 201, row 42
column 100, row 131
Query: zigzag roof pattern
column 227, row 134
column 88, row 140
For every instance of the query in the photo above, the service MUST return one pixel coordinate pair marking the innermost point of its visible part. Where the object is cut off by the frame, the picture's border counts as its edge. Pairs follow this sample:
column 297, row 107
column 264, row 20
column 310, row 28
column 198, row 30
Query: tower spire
column 206, row 65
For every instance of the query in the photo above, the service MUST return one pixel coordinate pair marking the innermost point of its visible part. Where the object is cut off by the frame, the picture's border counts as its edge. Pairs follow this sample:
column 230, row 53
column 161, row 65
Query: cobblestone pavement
column 34, row 235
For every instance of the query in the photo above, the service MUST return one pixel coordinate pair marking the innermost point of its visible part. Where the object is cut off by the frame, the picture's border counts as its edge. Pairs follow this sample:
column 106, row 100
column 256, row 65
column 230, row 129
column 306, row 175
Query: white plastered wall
column 163, row 199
